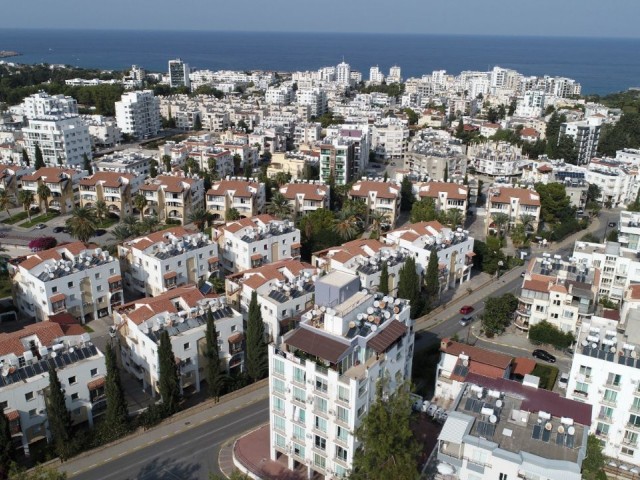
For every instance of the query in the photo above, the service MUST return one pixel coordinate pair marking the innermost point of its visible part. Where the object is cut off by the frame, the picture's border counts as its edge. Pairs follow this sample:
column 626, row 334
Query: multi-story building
column 279, row 95
column 390, row 139
column 629, row 230
column 305, row 197
column 395, row 75
column 343, row 74
column 63, row 183
column 252, row 242
column 103, row 131
column 365, row 259
column 42, row 104
column 515, row 202
column 291, row 163
column 173, row 196
column 585, row 134
column 26, row 356
column 63, row 140
column 446, row 195
column 437, row 155
column 605, row 373
column 376, row 77
column 284, row 289
column 11, row 177
column 561, row 292
column 454, row 249
column 380, row 197
column 499, row 159
column 619, row 267
column 248, row 197
column 160, row 261
column 323, row 377
column 115, row 189
column 618, row 181
column 314, row 98
column 336, row 160
column 179, row 74
column 127, row 161
column 82, row 281
column 182, row 313
column 138, row 114
column 499, row 428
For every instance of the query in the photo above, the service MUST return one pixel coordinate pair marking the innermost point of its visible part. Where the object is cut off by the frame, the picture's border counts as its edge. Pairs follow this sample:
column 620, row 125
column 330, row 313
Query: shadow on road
column 168, row 469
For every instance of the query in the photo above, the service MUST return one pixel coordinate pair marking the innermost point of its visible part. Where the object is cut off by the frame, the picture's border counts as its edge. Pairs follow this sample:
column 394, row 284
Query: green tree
column 116, row 418
column 237, row 163
column 39, row 163
column 59, row 417
column 169, row 383
column 409, row 286
column 593, row 464
column 140, row 202
column 6, row 201
column 150, row 224
column 199, row 217
column 44, row 192
column 377, row 220
column 593, row 193
column 500, row 220
column 431, row 278
column 82, row 223
column 317, row 232
column 412, row 116
column 256, row 361
column 555, row 205
column 232, row 214
column 40, row 472
column 197, row 124
column 498, row 313
column 214, row 373
column 388, row 447
column 383, row 286
column 566, row 150
column 86, row 164
column 424, row 211
column 7, row 452
column 454, row 218
column 345, row 224
column 25, row 158
column 122, row 232
column 166, row 162
column 279, row 206
column 547, row 333
column 101, row 210
column 26, row 198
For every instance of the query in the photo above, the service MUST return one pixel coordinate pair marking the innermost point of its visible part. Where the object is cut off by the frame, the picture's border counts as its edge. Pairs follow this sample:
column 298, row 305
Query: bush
column 546, row 333
column 172, row 221
column 42, row 243
column 547, row 375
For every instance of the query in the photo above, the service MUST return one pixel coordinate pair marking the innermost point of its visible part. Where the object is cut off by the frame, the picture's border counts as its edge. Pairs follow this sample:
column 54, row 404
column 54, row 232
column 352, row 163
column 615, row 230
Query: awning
column 296, row 245
column 318, row 345
column 169, row 275
column 470, row 254
column 456, row 427
column 97, row 383
column 59, row 297
column 12, row 414
column 115, row 278
column 256, row 256
column 236, row 338
column 213, row 260
column 387, row 336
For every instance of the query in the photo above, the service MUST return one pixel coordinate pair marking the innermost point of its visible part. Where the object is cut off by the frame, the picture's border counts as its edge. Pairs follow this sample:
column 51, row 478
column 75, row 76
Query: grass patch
column 5, row 285
column 88, row 329
column 548, row 375
column 107, row 222
column 44, row 218
column 18, row 217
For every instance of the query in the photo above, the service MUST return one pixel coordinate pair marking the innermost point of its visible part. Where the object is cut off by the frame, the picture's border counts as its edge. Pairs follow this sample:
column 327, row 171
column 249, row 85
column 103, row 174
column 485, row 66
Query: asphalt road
column 190, row 455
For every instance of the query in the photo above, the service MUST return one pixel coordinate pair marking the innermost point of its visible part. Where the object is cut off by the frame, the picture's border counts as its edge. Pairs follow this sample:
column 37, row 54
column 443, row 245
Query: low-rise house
column 514, row 202
column 251, row 242
column 306, row 197
column 80, row 279
column 116, row 190
column 182, row 313
column 248, row 197
column 380, row 197
column 446, row 196
column 63, row 183
column 173, row 196
column 160, row 261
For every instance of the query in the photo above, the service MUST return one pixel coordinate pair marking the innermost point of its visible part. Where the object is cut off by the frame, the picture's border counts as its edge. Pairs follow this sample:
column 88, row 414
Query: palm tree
column 101, row 210
column 281, row 178
column 131, row 223
column 377, row 219
column 455, row 217
column 121, row 232
column 140, row 201
column 527, row 221
column 150, row 223
column 500, row 220
column 44, row 193
column 6, row 201
column 279, row 206
column 199, row 217
column 26, row 197
column 346, row 225
column 82, row 223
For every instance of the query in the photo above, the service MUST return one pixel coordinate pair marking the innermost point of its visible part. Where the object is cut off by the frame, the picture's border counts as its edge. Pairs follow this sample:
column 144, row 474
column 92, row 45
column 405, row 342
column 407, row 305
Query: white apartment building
column 126, row 161
column 515, row 202
column 454, row 249
column 629, row 230
column 619, row 267
column 292, row 163
column 503, row 429
column 435, row 152
column 365, row 259
column 314, row 98
column 158, row 262
column 305, row 197
column 248, row 197
column 284, row 289
column 26, row 356
column 561, row 292
column 63, row 140
column 252, row 242
column 446, row 195
column 605, row 373
column 279, row 95
column 376, row 77
column 306, row 133
column 138, row 114
column 182, row 313
column 103, row 131
column 323, row 377
column 497, row 159
column 395, row 75
column 586, row 135
column 390, row 139
column 531, row 105
column 343, row 74
column 42, row 104
column 82, row 281
column 179, row 74
column 64, row 184
column 618, row 181
column 379, row 196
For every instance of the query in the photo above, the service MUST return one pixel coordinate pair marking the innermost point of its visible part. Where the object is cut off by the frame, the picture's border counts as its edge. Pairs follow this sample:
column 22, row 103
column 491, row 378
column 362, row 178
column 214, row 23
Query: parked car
column 544, row 355
column 431, row 410
column 564, row 381
column 612, row 224
column 100, row 232
column 464, row 321
column 40, row 226
column 466, row 310
column 58, row 230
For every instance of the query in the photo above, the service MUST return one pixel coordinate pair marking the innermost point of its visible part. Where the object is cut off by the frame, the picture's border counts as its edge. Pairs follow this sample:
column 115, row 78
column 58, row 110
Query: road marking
column 165, row 436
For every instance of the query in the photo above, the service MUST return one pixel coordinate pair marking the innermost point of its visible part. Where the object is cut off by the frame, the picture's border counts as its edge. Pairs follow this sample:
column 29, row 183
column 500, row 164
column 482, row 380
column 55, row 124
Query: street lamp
column 500, row 264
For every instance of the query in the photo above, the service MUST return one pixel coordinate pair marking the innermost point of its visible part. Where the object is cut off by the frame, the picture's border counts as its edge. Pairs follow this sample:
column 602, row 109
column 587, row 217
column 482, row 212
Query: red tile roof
column 97, row 383
column 387, row 336
column 388, row 190
column 433, row 190
column 108, row 179
column 50, row 175
column 308, row 190
column 46, row 332
column 476, row 354
column 240, row 188
column 505, row 194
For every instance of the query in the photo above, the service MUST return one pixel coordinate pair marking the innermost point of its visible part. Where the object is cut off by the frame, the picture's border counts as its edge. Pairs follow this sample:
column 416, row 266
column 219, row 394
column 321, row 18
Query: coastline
column 9, row 54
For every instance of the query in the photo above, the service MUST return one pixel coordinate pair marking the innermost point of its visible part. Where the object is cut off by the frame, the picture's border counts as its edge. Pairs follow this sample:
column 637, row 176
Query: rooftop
column 258, row 228
column 65, row 260
column 170, row 242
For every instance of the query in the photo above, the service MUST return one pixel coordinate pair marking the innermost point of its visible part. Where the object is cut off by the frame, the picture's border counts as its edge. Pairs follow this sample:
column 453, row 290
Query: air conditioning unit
column 332, row 412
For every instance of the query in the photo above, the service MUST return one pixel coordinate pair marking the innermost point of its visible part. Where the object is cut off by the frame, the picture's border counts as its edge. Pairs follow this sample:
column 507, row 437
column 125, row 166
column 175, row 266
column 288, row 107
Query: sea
column 601, row 65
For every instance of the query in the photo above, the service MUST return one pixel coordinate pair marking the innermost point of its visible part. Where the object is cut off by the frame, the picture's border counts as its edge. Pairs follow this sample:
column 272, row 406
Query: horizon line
column 326, row 32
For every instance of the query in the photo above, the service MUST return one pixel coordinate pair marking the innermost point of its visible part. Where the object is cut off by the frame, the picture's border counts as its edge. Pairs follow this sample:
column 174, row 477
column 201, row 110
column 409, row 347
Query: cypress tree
column 409, row 286
column 384, row 280
column 39, row 158
column 59, row 417
column 214, row 373
column 169, row 383
column 86, row 164
column 116, row 415
column 431, row 277
column 25, row 158
column 257, row 362
column 406, row 194
column 6, row 447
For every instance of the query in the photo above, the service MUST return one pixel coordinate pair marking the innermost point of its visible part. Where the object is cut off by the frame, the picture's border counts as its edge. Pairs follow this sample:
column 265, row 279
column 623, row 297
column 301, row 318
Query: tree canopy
column 59, row 417
column 256, row 361
column 169, row 383
column 498, row 313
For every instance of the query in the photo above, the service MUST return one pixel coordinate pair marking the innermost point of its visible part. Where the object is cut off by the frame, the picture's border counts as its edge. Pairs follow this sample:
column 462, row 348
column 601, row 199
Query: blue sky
column 592, row 18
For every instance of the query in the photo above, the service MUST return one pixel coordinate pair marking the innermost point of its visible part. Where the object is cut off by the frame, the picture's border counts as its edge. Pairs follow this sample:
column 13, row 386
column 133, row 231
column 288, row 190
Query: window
column 362, row 388
column 503, row 476
column 636, row 404
column 610, row 396
column 54, row 289
column 28, row 396
column 186, row 346
column 321, row 385
column 602, row 429
column 321, row 404
column 112, row 271
column 278, row 404
column 99, row 288
column 74, row 397
column 627, row 451
column 556, row 302
column 320, row 442
column 634, row 420
column 234, row 328
column 4, row 405
column 278, row 385
column 606, row 413
column 342, row 434
column 298, row 432
column 299, row 394
column 614, row 380
column 299, row 414
column 70, row 284
column 586, row 371
column 343, row 414
column 540, row 308
column 278, row 366
column 630, row 438
column 319, row 461
column 298, row 450
column 362, row 410
column 278, row 423
column 582, row 388
column 341, row 453
column 321, row 424
column 343, row 394
column 299, row 375
column 280, row 441
column 72, row 380
column 94, row 372
column 33, row 412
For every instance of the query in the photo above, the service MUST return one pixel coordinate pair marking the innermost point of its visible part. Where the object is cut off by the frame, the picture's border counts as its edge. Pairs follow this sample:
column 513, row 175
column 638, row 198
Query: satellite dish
column 571, row 430
column 376, row 304
column 370, row 310
column 374, row 328
column 594, row 345
column 70, row 349
column 493, row 419
column 560, row 429
column 479, row 395
column 548, row 426
column 54, row 354
column 499, row 403
column 352, row 324
column 634, row 354
column 612, row 349
column 465, row 363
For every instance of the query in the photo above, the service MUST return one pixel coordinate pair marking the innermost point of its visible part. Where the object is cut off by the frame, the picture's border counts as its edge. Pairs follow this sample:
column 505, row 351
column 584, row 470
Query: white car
column 563, row 381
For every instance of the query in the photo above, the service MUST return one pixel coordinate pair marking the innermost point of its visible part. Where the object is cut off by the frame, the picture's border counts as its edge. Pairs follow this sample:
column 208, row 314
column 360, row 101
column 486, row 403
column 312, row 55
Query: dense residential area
column 376, row 277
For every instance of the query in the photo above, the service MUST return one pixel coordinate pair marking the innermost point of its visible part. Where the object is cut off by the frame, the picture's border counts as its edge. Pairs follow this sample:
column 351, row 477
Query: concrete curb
column 239, row 465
